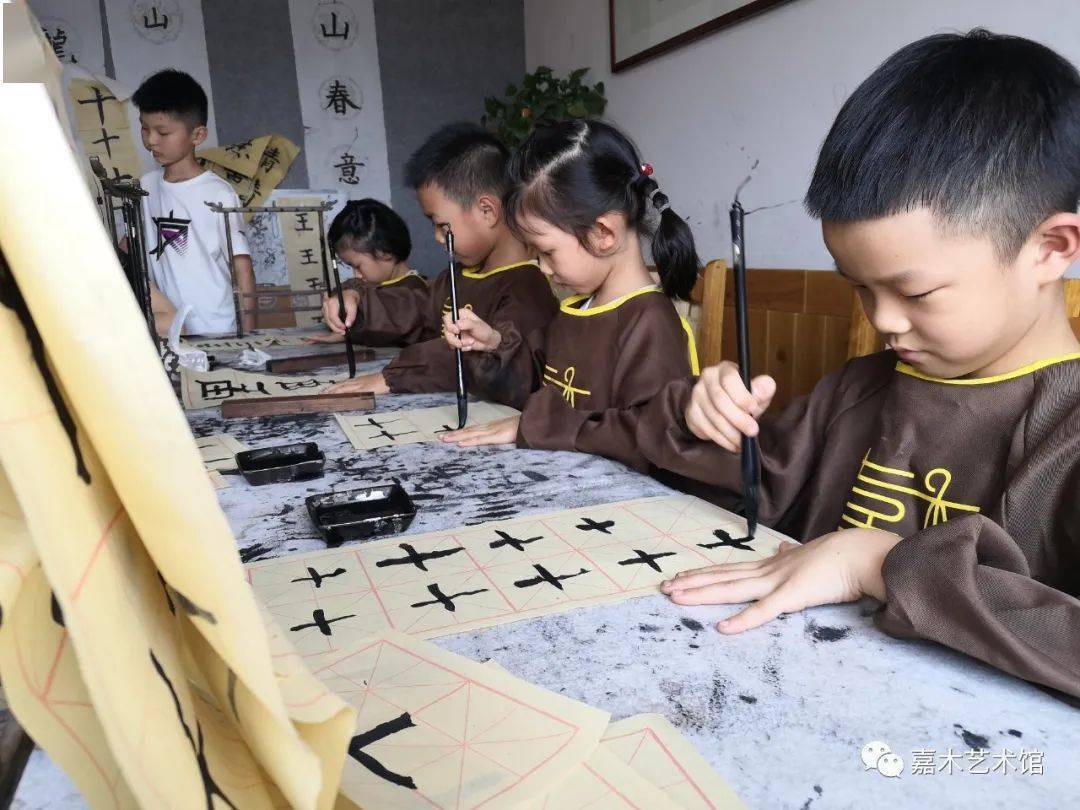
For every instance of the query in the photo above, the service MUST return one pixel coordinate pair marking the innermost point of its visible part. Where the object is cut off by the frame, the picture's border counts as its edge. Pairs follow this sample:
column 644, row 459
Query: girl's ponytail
column 673, row 250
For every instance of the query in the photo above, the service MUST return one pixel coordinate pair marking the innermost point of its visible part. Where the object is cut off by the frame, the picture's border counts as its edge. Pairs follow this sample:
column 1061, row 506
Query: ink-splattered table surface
column 781, row 712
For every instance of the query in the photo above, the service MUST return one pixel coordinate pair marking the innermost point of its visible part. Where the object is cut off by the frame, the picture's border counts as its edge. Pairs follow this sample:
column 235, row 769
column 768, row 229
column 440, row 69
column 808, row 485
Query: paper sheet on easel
column 130, row 647
column 368, row 431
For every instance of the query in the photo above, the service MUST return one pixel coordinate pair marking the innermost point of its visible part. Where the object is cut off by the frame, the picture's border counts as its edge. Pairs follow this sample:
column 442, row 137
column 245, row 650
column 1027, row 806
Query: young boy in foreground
column 942, row 476
column 459, row 174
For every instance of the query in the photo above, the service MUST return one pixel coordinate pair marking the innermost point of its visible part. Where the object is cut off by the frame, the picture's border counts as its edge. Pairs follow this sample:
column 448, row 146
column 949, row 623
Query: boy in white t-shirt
column 186, row 247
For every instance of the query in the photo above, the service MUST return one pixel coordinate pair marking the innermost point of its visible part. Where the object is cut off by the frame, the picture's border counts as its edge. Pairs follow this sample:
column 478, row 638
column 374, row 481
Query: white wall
column 765, row 89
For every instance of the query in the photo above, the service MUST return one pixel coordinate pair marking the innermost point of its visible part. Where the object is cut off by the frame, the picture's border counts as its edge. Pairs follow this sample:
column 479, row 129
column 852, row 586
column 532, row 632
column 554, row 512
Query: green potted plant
column 542, row 96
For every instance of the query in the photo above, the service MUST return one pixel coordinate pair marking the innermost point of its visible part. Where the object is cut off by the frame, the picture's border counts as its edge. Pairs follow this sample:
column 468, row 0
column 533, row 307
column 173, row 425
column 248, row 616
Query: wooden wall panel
column 799, row 324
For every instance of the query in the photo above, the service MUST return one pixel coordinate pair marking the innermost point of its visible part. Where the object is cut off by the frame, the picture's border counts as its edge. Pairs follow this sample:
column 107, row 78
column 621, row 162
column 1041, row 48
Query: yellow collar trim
column 567, row 306
column 904, row 368
column 402, row 278
column 473, row 272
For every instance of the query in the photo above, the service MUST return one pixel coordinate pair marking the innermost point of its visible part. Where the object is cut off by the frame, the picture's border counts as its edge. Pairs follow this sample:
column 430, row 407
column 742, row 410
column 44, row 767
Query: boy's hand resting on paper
column 501, row 431
column 330, row 307
column 469, row 333
column 375, row 383
column 837, row 567
column 721, row 410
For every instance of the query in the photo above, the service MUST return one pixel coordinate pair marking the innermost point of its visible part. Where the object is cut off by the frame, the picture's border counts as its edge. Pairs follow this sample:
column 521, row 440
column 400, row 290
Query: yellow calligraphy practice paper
column 208, row 389
column 368, row 431
column 131, row 648
column 438, row 730
column 302, row 244
column 433, row 584
column 654, row 748
column 601, row 782
column 101, row 123
column 254, row 168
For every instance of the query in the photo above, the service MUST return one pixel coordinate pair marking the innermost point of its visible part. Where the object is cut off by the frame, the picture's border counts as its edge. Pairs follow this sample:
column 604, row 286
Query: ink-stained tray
column 358, row 514
column 275, row 465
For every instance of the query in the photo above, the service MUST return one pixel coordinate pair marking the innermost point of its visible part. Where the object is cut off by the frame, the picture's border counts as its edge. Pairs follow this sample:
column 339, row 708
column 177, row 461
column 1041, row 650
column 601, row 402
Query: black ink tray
column 275, row 465
column 357, row 514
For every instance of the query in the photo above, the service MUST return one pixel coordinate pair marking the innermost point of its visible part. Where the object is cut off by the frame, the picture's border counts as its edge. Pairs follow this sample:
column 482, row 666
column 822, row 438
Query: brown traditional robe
column 516, row 293
column 980, row 477
column 598, row 366
column 393, row 313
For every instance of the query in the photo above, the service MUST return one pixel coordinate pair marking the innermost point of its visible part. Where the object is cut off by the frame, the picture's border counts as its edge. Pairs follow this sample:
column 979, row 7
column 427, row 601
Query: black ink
column 348, row 168
column 57, row 613
column 508, row 540
column 168, row 596
column 11, row 297
column 319, row 620
column 972, row 740
column 417, row 558
column 546, row 576
column 361, row 741
column 590, row 525
column 647, row 559
column 105, row 138
column 191, row 609
column 210, row 787
column 162, row 22
column 302, row 223
column 334, row 33
column 337, row 96
column 446, row 600
column 316, row 578
column 725, row 540
column 692, row 624
column 820, row 632
column 99, row 100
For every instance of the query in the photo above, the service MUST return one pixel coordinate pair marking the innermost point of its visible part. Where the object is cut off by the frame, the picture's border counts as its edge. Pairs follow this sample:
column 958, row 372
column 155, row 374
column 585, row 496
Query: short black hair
column 175, row 93
column 462, row 160
column 369, row 226
column 982, row 129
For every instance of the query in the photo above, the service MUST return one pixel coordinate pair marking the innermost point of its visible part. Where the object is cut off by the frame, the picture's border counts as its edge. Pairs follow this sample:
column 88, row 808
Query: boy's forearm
column 245, row 282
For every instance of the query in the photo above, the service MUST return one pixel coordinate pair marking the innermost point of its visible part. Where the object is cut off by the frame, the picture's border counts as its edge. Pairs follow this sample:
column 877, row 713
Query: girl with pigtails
column 582, row 200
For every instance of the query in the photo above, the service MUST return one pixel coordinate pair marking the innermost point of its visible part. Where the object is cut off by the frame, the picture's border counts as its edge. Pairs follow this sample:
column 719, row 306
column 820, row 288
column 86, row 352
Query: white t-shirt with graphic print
column 186, row 250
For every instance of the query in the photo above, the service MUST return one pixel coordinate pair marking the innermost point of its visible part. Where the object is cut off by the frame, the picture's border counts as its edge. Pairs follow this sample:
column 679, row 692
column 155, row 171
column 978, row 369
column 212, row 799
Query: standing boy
column 186, row 245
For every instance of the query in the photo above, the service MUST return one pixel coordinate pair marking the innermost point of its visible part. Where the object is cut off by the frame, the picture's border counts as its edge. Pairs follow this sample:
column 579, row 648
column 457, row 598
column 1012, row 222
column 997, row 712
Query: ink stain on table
column 821, row 632
column 970, row 738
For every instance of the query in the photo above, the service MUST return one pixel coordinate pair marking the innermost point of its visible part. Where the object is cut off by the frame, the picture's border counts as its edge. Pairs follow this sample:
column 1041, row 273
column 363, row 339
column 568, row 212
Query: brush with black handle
column 750, row 471
column 462, row 393
column 350, row 353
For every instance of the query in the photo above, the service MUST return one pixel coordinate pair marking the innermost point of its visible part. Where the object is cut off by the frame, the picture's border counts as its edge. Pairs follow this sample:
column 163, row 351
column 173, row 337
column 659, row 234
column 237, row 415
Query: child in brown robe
column 459, row 177
column 386, row 302
column 581, row 198
column 942, row 476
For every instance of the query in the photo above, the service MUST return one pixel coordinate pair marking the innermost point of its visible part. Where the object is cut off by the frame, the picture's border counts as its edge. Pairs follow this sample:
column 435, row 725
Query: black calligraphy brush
column 750, row 471
column 462, row 394
column 350, row 353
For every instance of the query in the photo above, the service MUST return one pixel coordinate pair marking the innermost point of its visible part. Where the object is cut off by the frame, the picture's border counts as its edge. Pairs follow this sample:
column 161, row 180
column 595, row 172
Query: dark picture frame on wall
column 643, row 29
